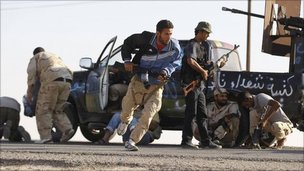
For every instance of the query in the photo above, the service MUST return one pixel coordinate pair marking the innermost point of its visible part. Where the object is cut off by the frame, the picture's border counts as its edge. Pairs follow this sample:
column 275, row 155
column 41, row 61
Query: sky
column 75, row 29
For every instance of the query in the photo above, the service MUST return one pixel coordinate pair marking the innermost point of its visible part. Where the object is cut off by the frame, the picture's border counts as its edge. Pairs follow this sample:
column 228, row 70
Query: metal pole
column 248, row 37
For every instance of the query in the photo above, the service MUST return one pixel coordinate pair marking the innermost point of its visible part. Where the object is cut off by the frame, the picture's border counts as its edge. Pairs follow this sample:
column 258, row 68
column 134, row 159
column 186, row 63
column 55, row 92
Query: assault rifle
column 211, row 71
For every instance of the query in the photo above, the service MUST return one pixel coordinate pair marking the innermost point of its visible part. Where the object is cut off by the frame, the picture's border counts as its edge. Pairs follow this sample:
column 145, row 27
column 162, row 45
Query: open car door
column 97, row 87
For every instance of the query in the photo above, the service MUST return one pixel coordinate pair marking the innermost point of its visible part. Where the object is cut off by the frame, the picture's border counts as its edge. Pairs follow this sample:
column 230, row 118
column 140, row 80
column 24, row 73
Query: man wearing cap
column 223, row 118
column 265, row 112
column 197, row 55
column 56, row 79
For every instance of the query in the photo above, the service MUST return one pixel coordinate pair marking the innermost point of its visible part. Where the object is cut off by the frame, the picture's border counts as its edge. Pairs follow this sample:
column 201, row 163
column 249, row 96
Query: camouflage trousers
column 231, row 135
column 49, row 110
column 227, row 136
column 135, row 96
column 278, row 129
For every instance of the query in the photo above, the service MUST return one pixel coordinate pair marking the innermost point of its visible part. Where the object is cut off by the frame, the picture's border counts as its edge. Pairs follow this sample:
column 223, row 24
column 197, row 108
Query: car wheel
column 71, row 113
column 91, row 134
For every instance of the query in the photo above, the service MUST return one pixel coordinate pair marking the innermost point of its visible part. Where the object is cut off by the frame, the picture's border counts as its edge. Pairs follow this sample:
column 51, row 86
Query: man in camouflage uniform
column 55, row 78
column 9, row 121
column 223, row 118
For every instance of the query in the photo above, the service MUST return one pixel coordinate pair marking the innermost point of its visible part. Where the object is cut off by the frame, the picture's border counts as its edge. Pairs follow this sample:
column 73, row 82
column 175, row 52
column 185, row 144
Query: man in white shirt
column 267, row 114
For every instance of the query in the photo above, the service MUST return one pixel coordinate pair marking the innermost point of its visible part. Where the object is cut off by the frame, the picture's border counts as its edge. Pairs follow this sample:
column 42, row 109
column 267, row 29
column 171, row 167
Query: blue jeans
column 115, row 121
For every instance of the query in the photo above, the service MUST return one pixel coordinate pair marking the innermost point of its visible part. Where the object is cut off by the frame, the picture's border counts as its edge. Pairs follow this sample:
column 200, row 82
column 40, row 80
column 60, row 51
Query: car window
column 116, row 56
column 103, row 58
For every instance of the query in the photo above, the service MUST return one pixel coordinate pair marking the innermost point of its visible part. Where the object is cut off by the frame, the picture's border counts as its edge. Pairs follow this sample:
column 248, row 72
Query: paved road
column 87, row 156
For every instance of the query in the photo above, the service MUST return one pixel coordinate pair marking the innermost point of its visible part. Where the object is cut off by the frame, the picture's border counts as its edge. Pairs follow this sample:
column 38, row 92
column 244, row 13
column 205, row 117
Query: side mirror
column 86, row 63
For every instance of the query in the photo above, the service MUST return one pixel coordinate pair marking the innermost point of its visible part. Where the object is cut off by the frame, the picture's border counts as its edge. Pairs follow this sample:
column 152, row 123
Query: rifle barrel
column 242, row 12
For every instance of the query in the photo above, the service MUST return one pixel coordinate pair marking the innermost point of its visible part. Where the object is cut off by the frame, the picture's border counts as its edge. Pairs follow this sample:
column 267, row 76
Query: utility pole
column 248, row 37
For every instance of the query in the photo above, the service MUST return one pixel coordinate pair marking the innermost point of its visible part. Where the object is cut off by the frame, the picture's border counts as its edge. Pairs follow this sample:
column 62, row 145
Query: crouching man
column 223, row 119
column 9, row 121
column 266, row 114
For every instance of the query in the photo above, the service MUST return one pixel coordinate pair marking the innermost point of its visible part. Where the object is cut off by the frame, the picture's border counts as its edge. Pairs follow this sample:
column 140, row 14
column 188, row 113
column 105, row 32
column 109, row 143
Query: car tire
column 91, row 134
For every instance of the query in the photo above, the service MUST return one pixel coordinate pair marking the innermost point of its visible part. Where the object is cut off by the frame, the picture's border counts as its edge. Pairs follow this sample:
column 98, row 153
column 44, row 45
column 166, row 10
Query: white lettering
column 259, row 82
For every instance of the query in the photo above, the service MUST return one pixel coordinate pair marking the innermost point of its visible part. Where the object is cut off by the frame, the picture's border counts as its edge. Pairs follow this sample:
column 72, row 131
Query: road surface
column 88, row 156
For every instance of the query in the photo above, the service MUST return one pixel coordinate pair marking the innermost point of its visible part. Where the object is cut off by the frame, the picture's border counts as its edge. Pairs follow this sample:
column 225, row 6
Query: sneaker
column 67, row 135
column 130, row 146
column 122, row 128
column 210, row 145
column 189, row 145
column 25, row 135
column 44, row 141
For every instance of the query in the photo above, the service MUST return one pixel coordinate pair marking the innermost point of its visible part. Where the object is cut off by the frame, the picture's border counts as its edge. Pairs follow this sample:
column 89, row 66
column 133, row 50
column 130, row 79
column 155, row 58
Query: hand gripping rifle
column 211, row 71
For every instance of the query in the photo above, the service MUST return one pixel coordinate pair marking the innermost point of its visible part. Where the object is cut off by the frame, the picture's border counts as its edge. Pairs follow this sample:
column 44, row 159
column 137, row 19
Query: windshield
column 233, row 63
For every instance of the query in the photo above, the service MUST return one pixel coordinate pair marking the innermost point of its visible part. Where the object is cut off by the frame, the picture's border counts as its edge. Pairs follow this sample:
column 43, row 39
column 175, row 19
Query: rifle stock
column 190, row 86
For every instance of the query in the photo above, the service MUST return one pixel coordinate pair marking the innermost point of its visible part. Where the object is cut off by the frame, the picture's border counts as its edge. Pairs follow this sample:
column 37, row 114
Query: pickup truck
column 89, row 108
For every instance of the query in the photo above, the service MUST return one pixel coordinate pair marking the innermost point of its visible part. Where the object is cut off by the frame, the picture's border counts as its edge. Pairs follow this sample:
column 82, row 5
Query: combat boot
column 67, row 135
column 210, row 144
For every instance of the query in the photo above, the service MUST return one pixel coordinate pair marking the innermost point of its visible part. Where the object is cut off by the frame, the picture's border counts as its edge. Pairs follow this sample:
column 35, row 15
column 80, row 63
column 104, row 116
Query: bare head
column 38, row 50
column 164, row 30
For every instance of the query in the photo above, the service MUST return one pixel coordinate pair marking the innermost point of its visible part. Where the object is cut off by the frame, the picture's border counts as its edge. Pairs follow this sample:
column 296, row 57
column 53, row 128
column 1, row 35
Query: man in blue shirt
column 157, row 56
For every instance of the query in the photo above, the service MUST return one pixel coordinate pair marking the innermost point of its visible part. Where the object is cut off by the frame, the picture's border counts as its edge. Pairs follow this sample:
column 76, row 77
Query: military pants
column 136, row 95
column 230, row 138
column 278, row 129
column 51, row 99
